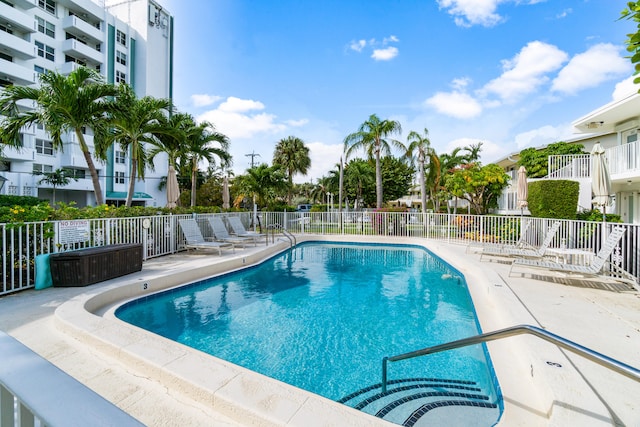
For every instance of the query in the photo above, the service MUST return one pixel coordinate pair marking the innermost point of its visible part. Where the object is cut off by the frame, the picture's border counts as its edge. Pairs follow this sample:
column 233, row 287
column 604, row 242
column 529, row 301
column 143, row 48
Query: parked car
column 304, row 208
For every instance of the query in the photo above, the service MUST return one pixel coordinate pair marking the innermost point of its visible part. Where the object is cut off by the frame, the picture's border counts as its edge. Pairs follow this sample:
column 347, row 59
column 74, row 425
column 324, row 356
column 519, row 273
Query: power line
column 252, row 155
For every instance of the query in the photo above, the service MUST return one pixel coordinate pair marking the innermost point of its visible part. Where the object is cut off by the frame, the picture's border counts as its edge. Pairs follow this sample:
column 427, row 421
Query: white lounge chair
column 193, row 236
column 520, row 243
column 514, row 251
column 593, row 269
column 238, row 229
column 221, row 234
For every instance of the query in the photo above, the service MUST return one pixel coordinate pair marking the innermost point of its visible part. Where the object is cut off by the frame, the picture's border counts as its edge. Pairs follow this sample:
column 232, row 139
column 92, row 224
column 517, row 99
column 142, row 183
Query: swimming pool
column 321, row 317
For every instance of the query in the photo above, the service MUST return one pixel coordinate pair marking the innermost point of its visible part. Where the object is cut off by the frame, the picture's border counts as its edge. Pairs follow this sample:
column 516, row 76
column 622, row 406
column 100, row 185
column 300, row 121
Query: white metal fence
column 160, row 235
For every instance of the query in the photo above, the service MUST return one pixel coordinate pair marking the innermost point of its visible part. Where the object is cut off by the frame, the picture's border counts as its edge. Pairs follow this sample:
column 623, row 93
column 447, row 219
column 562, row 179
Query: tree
column 632, row 12
column 135, row 122
column 63, row 104
column 480, row 185
column 172, row 143
column 293, row 155
column 537, row 161
column 263, row 183
column 371, row 136
column 57, row 178
column 397, row 176
column 419, row 150
column 198, row 147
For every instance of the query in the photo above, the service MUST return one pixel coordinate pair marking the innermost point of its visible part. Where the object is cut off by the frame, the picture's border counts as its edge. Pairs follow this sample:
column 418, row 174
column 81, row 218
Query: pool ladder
column 594, row 356
column 292, row 239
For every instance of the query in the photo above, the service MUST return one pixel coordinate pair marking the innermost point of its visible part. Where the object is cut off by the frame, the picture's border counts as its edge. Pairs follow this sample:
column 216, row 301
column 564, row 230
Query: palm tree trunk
column 378, row 178
column 194, row 175
column 423, row 187
column 97, row 190
column 132, row 181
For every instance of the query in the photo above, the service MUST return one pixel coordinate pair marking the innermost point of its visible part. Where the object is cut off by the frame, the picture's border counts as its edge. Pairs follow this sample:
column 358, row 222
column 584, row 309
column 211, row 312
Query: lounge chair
column 515, row 251
column 221, row 234
column 238, row 229
column 520, row 243
column 194, row 238
column 593, row 269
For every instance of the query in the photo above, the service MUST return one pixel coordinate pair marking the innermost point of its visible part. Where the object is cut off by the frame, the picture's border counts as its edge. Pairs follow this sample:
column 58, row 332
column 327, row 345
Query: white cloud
column 542, row 136
column 358, row 45
column 455, row 104
column 233, row 118
column 599, row 63
column 390, row 39
column 472, row 12
column 625, row 89
column 237, row 105
column 526, row 71
column 297, row 123
column 385, row 54
column 203, row 100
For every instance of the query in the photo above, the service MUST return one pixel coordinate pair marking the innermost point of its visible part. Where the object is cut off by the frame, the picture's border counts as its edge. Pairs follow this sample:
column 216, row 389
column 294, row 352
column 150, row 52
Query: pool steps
column 425, row 401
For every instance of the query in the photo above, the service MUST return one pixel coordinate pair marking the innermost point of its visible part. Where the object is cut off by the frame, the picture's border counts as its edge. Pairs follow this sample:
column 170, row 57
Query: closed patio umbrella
column 225, row 193
column 173, row 191
column 523, row 191
column 600, row 181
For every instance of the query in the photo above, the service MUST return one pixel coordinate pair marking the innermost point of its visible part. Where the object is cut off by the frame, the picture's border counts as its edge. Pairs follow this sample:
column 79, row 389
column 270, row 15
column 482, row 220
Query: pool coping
column 530, row 386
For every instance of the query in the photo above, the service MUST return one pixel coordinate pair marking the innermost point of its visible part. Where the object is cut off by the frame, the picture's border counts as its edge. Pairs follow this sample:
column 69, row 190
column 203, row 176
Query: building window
column 121, row 58
column 40, row 70
column 121, row 77
column 46, row 27
column 6, row 29
column 76, row 173
column 121, row 38
column 45, row 51
column 47, row 5
column 120, row 157
column 44, row 147
column 39, row 168
column 119, row 178
column 6, row 57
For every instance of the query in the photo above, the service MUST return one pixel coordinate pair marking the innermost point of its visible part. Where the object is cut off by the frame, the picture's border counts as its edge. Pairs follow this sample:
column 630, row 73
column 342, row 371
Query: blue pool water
column 322, row 316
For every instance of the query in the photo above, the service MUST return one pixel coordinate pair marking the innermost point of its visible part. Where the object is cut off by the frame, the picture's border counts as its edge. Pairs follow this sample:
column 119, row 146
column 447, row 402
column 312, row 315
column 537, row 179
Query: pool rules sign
column 71, row 232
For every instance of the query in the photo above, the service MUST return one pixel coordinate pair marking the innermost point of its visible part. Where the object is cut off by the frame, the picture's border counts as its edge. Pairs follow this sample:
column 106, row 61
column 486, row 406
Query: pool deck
column 166, row 384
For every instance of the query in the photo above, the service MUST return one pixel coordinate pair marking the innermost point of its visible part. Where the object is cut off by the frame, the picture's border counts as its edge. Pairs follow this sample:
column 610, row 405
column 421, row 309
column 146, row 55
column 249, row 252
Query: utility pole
column 252, row 155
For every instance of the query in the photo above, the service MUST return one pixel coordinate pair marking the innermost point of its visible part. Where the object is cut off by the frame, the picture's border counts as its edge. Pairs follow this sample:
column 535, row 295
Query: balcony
column 83, row 30
column 17, row 47
column 25, row 4
column 88, row 9
column 624, row 161
column 16, row 19
column 68, row 67
column 82, row 51
column 15, row 73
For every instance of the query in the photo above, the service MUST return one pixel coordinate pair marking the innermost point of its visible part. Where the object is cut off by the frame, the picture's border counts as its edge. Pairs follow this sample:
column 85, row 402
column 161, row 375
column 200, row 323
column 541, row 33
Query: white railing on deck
column 569, row 166
column 22, row 243
column 624, row 159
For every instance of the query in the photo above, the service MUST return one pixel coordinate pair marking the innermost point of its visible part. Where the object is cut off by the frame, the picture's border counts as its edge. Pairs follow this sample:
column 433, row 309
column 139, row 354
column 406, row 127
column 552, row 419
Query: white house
column 126, row 41
column 615, row 126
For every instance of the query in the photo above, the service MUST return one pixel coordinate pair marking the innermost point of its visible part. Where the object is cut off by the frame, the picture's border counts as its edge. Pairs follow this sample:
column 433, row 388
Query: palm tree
column 198, row 148
column 57, row 178
column 63, row 104
column 263, row 183
column 135, row 122
column 171, row 143
column 422, row 145
column 473, row 151
column 358, row 176
column 293, row 155
column 371, row 137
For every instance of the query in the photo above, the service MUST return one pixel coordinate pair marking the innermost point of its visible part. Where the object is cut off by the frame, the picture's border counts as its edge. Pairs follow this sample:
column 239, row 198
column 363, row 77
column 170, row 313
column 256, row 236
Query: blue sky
column 508, row 73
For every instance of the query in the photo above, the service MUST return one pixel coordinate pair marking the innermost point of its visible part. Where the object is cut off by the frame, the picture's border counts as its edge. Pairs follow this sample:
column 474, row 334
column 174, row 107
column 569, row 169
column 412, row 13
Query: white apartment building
column 126, row 41
column 616, row 127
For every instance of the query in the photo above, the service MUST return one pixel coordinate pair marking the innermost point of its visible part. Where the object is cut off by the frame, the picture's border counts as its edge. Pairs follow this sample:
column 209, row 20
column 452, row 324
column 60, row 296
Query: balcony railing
column 624, row 159
column 569, row 166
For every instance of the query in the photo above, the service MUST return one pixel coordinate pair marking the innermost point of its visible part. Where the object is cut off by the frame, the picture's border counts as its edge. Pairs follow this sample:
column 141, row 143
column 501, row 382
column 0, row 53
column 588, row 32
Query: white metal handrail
column 587, row 353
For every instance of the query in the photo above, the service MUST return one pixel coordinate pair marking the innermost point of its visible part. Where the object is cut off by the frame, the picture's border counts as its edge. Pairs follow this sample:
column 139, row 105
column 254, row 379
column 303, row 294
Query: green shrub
column 10, row 201
column 596, row 215
column 553, row 199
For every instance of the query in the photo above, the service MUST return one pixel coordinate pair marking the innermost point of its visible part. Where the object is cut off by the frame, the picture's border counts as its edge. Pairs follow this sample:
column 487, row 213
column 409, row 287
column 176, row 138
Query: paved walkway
column 602, row 316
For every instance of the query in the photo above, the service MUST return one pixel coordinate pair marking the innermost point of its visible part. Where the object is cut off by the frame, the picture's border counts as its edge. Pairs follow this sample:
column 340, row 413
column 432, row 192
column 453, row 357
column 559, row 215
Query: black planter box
column 92, row 265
